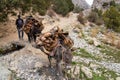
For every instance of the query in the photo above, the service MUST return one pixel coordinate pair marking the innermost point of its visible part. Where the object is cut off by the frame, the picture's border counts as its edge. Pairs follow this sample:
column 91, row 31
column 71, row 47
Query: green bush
column 96, row 17
column 118, row 7
column 105, row 4
column 3, row 17
column 112, row 19
column 99, row 21
column 112, row 3
column 41, row 6
column 70, row 5
column 77, row 9
column 93, row 16
column 24, row 6
column 62, row 6
column 99, row 12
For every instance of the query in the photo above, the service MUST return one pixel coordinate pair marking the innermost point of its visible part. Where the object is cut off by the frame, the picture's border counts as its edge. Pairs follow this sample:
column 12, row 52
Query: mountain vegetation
column 112, row 19
column 33, row 6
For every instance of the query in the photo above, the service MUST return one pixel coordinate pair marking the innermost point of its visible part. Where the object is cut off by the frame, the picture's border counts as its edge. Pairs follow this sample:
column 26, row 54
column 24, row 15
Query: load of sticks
column 56, row 44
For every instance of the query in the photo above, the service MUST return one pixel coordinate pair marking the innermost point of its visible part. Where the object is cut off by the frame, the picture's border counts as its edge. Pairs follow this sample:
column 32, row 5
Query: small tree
column 112, row 3
column 93, row 16
column 112, row 19
column 105, row 4
column 118, row 7
column 62, row 6
column 96, row 17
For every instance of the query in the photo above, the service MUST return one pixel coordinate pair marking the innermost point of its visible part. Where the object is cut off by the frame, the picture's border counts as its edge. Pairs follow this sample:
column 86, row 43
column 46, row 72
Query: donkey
column 59, row 53
column 51, row 42
column 32, row 28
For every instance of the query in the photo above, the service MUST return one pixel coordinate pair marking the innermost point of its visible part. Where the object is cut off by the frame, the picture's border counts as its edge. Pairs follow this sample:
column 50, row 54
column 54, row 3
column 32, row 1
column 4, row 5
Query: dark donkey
column 52, row 43
column 59, row 53
column 32, row 28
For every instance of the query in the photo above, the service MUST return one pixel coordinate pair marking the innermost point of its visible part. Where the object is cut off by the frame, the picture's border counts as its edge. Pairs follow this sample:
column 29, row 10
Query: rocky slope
column 94, row 59
column 99, row 3
column 81, row 3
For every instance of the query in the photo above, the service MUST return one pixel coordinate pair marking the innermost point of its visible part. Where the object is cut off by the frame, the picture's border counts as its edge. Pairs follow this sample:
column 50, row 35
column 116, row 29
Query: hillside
column 101, row 4
column 81, row 3
column 95, row 34
column 94, row 58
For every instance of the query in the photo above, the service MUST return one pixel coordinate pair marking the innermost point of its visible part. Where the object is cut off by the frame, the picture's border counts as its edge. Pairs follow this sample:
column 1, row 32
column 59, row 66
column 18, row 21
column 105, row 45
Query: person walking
column 19, row 24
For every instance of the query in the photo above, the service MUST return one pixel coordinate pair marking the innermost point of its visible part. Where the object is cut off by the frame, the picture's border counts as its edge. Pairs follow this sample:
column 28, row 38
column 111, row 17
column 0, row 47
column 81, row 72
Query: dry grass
column 92, row 24
column 99, row 22
column 51, row 13
column 112, row 39
column 94, row 32
column 118, row 44
column 68, row 15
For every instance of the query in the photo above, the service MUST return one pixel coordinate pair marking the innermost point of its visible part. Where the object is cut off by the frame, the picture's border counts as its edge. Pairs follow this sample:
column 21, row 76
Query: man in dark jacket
column 19, row 24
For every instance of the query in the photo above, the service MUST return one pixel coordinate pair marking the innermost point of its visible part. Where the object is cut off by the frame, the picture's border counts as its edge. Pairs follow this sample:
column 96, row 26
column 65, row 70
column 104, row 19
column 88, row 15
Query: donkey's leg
column 34, row 36
column 29, row 39
column 59, row 68
column 58, row 57
column 49, row 58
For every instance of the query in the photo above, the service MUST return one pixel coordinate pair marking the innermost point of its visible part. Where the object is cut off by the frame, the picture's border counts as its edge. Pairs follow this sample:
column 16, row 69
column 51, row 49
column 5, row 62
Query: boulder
column 87, row 72
column 99, row 3
column 81, row 3
column 96, row 42
column 118, row 78
column 5, row 74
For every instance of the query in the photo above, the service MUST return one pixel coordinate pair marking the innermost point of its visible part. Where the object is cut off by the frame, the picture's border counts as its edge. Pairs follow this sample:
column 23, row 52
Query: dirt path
column 32, row 64
column 63, row 22
column 28, row 61
column 12, row 37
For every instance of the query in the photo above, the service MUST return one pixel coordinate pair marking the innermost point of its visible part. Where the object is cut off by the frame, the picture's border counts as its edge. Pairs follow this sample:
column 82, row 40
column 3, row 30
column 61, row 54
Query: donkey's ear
column 37, row 35
column 41, row 19
column 66, row 33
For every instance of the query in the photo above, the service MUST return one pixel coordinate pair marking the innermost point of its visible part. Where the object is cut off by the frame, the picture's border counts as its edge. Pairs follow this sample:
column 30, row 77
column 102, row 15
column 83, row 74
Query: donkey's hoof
column 57, row 74
column 50, row 66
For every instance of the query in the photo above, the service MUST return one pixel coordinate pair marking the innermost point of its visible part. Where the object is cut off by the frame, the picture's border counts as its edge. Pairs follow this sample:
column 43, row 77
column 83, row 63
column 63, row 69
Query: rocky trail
column 91, row 59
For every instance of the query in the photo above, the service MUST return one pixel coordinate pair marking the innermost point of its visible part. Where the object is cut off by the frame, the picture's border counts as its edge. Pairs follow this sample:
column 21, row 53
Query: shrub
column 112, row 3
column 81, row 18
column 3, row 17
column 96, row 17
column 105, row 4
column 40, row 6
column 93, row 16
column 99, row 12
column 70, row 5
column 118, row 7
column 112, row 19
column 91, row 42
column 7, row 6
column 99, row 21
column 77, row 9
column 62, row 6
